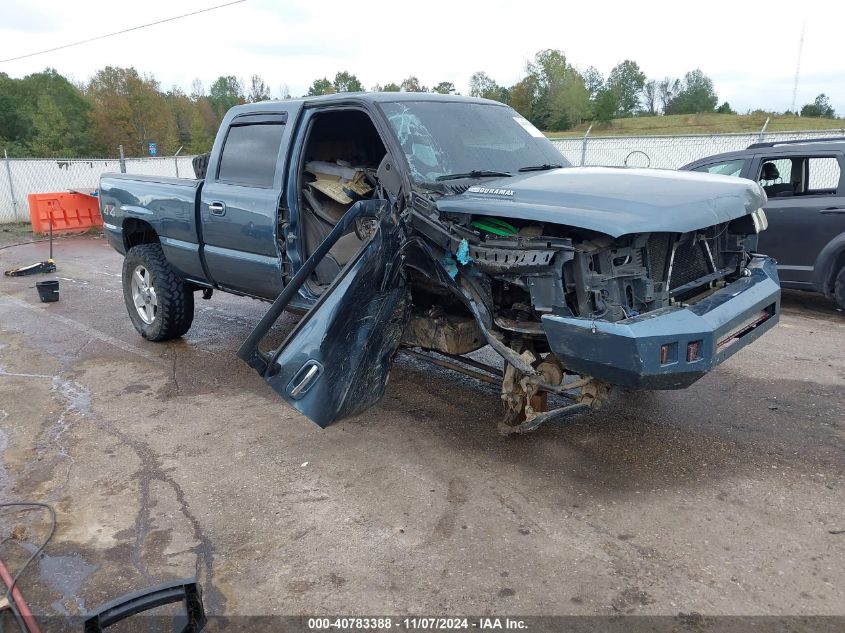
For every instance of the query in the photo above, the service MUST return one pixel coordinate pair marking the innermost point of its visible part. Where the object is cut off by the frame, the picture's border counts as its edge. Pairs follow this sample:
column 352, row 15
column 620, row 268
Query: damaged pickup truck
column 442, row 224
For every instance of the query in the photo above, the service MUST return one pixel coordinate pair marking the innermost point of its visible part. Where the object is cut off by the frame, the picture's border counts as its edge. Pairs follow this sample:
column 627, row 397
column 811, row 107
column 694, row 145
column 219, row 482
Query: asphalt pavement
column 169, row 460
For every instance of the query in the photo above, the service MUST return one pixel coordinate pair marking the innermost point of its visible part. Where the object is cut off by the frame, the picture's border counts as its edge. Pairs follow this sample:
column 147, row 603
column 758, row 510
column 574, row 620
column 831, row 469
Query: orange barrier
column 70, row 212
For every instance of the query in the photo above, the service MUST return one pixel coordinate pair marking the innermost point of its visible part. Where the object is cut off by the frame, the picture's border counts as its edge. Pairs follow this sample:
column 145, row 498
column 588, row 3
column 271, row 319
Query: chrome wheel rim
column 144, row 294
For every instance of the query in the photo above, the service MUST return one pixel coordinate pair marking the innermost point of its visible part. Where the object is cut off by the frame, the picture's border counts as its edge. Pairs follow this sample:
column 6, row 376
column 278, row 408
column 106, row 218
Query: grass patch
column 707, row 123
column 16, row 232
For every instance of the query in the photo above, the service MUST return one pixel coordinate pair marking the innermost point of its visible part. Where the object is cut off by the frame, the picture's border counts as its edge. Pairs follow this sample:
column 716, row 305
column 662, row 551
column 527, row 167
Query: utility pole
column 798, row 67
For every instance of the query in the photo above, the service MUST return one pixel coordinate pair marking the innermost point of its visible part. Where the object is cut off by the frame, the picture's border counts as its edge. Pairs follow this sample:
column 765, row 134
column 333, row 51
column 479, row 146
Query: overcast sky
column 749, row 49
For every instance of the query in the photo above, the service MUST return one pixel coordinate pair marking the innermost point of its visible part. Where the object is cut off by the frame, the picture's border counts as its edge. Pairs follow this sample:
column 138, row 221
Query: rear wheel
column 159, row 303
column 839, row 289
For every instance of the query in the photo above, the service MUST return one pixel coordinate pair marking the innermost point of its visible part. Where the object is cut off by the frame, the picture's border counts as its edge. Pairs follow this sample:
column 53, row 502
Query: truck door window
column 250, row 153
column 725, row 168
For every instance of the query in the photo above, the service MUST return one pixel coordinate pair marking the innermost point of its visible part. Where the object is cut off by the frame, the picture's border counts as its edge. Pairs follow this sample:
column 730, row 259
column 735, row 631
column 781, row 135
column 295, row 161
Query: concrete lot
column 168, row 460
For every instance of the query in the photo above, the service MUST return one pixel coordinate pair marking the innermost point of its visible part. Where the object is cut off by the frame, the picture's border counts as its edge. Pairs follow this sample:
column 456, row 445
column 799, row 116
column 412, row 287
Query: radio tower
column 798, row 67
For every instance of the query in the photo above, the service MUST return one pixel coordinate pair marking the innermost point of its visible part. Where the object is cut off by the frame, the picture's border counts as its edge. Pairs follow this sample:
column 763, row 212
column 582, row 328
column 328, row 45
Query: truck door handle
column 832, row 211
column 217, row 208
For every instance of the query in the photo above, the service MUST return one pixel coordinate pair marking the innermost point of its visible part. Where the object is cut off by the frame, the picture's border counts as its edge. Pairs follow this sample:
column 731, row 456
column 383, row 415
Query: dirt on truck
column 442, row 224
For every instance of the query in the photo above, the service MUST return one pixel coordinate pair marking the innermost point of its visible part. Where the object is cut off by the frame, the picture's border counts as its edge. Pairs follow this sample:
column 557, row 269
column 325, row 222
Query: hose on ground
column 13, row 595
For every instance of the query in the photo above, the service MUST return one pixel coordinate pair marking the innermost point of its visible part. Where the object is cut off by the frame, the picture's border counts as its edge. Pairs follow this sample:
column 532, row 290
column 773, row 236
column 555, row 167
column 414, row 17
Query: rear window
column 824, row 174
column 249, row 155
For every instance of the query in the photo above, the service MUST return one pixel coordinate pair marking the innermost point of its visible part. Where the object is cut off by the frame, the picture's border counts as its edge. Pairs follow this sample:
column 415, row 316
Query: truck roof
column 374, row 97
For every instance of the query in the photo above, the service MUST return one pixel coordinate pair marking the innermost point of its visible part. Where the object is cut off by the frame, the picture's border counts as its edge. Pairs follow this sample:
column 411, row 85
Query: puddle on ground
column 64, row 574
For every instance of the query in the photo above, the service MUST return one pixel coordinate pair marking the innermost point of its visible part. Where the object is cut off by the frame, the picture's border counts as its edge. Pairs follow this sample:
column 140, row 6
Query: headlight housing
column 761, row 222
column 750, row 224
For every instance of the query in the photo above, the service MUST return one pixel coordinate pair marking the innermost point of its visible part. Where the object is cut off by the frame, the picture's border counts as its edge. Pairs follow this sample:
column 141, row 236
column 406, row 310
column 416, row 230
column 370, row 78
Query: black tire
column 839, row 289
column 169, row 309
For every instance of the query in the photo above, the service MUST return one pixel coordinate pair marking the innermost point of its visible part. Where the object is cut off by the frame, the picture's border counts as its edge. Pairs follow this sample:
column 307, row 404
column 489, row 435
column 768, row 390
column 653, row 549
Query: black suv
column 805, row 185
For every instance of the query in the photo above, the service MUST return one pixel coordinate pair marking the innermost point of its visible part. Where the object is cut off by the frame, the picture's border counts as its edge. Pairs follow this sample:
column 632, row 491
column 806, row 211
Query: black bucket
column 48, row 290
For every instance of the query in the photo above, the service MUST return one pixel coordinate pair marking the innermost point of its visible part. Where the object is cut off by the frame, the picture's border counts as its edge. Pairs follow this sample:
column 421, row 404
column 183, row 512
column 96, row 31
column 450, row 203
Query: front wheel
column 160, row 305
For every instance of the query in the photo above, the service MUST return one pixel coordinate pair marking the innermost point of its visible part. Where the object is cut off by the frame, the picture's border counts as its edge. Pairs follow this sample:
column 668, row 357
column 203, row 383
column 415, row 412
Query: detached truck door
column 336, row 361
column 239, row 205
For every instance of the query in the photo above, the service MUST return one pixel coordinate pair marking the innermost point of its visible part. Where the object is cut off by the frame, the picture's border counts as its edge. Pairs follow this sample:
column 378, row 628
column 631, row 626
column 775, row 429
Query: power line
column 134, row 28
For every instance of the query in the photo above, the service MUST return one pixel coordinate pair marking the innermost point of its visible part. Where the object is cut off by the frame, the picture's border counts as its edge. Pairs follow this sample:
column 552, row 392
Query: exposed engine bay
column 521, row 270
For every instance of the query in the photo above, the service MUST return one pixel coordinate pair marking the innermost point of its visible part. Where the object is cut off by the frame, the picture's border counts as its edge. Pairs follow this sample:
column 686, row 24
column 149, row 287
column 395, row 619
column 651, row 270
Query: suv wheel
column 839, row 289
column 160, row 305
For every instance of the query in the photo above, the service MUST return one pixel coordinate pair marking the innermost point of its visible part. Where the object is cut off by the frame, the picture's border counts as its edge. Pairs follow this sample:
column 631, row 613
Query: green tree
column 606, row 105
column 570, row 102
column 320, row 87
column 593, row 82
column 128, row 109
column 391, row 87
column 44, row 114
column 626, row 81
column 50, row 130
column 203, row 126
column 183, row 111
column 258, row 90
column 667, row 88
column 651, row 94
column 482, row 85
column 225, row 93
column 523, row 96
column 346, row 82
column 820, row 108
column 11, row 124
column 560, row 98
column 725, row 108
column 696, row 94
column 444, row 88
column 412, row 84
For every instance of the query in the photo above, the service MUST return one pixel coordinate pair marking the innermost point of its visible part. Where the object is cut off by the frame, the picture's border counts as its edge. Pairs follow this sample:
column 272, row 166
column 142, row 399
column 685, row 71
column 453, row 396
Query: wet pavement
column 170, row 460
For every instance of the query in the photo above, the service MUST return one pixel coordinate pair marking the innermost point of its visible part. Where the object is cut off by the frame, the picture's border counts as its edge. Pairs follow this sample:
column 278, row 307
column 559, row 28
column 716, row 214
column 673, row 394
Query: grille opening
column 689, row 263
column 659, row 246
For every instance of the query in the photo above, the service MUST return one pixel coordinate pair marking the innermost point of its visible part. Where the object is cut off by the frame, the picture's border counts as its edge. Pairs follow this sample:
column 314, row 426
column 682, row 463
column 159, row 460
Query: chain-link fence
column 20, row 177
column 667, row 152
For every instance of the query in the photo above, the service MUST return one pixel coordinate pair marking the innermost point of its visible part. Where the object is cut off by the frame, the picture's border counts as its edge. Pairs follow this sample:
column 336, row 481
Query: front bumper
column 672, row 347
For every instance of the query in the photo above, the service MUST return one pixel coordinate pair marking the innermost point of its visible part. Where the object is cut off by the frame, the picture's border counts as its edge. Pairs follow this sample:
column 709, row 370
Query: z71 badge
column 491, row 191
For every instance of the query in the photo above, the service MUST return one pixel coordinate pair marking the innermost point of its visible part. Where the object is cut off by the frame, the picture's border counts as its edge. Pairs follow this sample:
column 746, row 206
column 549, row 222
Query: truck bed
column 169, row 205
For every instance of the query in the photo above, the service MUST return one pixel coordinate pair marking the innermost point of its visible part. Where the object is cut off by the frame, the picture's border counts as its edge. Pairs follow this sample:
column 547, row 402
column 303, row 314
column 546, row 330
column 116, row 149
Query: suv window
column 823, row 174
column 725, row 168
column 250, row 153
column 781, row 173
column 799, row 175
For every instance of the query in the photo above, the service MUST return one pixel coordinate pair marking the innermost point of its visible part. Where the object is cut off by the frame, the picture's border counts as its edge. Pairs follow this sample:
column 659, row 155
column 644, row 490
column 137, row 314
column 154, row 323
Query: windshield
column 440, row 139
